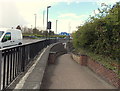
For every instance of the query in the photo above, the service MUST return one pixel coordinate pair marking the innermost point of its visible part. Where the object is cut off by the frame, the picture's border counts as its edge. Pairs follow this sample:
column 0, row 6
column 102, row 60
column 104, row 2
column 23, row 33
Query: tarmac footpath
column 67, row 74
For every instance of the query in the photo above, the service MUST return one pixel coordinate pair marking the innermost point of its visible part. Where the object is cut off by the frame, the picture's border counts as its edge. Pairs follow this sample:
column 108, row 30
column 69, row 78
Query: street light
column 47, row 19
column 47, row 13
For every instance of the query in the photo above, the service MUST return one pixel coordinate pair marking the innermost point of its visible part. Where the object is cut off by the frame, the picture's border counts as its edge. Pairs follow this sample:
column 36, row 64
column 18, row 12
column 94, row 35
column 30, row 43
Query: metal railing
column 14, row 60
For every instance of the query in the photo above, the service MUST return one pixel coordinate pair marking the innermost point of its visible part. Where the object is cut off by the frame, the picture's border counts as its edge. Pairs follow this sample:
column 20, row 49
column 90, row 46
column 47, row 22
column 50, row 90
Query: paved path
column 67, row 74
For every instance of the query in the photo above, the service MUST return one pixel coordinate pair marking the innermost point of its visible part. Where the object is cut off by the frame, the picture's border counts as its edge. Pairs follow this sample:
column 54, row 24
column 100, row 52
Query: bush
column 100, row 34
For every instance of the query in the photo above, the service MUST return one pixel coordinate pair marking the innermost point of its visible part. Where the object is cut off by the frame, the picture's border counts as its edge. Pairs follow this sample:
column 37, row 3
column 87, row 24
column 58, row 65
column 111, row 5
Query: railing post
column 23, row 59
column 0, row 67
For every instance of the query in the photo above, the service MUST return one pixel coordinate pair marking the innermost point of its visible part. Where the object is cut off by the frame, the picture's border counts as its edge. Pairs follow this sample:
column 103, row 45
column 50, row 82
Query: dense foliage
column 101, row 33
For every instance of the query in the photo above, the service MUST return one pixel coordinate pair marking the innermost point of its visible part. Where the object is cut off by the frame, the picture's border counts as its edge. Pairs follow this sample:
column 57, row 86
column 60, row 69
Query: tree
column 18, row 27
column 35, row 31
column 51, row 32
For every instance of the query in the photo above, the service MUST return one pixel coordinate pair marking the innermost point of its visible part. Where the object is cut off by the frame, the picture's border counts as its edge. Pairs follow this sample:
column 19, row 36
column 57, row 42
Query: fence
column 14, row 60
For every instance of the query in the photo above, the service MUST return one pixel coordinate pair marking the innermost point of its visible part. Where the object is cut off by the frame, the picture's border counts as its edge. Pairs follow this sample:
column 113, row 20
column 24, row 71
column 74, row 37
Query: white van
column 10, row 37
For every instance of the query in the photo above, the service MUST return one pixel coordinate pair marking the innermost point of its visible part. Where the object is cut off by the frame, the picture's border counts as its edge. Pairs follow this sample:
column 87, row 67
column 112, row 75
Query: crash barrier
column 14, row 60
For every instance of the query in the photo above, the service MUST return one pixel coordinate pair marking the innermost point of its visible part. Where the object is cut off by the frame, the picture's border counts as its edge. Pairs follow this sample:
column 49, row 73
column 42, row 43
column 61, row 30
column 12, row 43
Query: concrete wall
column 56, row 51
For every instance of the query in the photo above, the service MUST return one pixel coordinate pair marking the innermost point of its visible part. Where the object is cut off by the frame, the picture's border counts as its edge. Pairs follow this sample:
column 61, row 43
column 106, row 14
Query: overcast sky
column 69, row 13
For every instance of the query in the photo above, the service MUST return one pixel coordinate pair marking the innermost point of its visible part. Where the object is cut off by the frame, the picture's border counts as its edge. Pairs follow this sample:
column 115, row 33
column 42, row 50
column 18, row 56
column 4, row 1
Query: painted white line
column 22, row 81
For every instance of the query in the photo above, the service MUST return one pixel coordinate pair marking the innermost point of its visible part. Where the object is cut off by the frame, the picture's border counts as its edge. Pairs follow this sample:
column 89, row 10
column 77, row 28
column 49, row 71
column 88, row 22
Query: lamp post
column 47, row 20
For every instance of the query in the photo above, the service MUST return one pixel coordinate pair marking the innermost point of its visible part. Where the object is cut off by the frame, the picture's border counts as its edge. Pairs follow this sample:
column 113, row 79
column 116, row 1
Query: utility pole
column 69, row 27
column 35, row 20
column 56, row 26
column 69, row 31
column 47, row 20
column 43, row 17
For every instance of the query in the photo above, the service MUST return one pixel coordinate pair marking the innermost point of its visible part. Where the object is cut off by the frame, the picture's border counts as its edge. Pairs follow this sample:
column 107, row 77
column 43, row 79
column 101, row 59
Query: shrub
column 100, row 34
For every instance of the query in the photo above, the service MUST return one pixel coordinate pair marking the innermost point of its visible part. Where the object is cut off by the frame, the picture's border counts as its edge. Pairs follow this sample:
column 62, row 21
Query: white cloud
column 69, row 22
column 21, row 12
column 110, row 2
column 94, row 12
column 9, row 15
column 72, row 16
column 14, row 12
column 28, row 9
column 66, row 25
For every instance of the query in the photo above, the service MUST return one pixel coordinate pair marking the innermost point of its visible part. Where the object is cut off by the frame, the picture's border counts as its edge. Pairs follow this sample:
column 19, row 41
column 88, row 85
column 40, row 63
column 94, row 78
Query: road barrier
column 14, row 60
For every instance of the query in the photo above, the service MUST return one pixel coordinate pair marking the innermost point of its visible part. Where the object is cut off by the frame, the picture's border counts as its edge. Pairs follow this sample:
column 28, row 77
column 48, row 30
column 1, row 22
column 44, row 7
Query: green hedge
column 52, row 36
column 101, row 34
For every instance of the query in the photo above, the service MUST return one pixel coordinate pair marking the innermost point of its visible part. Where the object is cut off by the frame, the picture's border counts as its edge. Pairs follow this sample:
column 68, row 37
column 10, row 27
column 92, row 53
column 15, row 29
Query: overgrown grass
column 105, row 61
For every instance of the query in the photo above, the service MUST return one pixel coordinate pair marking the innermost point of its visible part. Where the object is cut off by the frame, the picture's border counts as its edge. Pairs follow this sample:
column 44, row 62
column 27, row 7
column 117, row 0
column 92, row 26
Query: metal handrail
column 14, row 60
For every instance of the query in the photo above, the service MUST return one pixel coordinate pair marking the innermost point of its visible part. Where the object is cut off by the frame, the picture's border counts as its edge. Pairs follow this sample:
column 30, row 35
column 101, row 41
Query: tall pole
column 31, row 29
column 0, row 68
column 47, row 20
column 47, row 23
column 56, row 26
column 43, row 17
column 35, row 20
column 69, row 30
